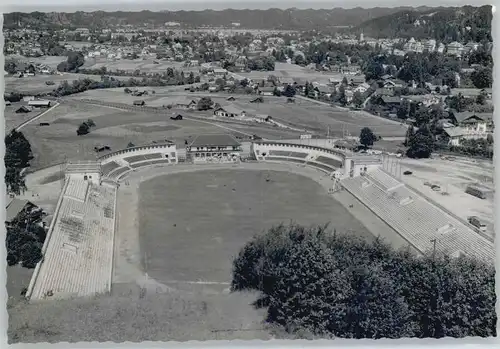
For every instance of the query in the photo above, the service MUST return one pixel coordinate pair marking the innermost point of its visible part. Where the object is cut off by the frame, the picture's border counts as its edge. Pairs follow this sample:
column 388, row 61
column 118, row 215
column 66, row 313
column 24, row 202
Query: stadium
column 93, row 242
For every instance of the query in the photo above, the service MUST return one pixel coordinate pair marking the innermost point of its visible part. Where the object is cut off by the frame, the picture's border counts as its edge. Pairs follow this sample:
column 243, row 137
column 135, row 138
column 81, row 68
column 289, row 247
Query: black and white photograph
column 288, row 170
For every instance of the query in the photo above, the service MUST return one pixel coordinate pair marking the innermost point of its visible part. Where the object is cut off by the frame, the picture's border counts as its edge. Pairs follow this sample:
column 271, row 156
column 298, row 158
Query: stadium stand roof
column 214, row 140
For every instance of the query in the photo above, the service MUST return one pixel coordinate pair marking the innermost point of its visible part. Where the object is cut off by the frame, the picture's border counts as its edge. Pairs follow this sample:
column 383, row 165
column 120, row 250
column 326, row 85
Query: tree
column 73, row 62
column 367, row 137
column 410, row 133
column 10, row 67
column 205, row 103
column 289, row 91
column 357, row 99
column 403, row 109
column 313, row 281
column 422, row 115
column 374, row 70
column 90, row 123
column 421, row 144
column 482, row 77
column 83, row 129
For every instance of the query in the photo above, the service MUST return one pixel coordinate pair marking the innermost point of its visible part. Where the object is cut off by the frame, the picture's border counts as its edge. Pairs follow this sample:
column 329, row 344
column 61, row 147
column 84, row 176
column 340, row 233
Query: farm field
column 302, row 114
column 116, row 128
column 144, row 65
column 37, row 84
column 50, row 61
column 12, row 119
column 285, row 70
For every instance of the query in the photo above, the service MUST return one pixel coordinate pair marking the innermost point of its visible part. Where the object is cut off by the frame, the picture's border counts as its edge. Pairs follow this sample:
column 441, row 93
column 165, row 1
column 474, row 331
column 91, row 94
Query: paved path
column 18, row 128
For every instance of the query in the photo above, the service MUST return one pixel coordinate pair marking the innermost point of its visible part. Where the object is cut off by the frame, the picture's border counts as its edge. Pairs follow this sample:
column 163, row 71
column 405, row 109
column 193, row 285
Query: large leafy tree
column 337, row 285
column 482, row 77
column 421, row 144
column 205, row 103
column 367, row 137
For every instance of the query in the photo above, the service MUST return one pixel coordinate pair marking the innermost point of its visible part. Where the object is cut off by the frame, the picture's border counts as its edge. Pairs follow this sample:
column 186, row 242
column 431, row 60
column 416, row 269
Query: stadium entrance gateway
column 214, row 149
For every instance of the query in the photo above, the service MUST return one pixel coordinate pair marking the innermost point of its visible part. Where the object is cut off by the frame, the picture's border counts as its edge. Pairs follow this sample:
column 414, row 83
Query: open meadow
column 116, row 128
column 144, row 65
column 303, row 114
column 37, row 84
column 13, row 119
column 293, row 71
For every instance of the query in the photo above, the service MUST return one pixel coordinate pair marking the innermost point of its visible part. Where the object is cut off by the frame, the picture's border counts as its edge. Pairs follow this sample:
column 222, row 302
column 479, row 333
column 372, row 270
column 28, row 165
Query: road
column 18, row 128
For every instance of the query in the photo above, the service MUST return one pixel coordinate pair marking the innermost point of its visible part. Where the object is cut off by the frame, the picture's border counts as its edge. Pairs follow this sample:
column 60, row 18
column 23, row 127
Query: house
column 351, row 69
column 454, row 49
column 229, row 111
column 391, row 102
column 362, row 88
column 392, row 84
column 139, row 103
column 220, row 72
column 357, row 80
column 28, row 98
column 23, row 109
column 384, row 92
column 286, row 81
column 266, row 91
column 476, row 125
column 39, row 104
column 15, row 207
column 349, row 94
column 427, row 100
column 471, row 92
column 454, row 135
column 184, row 103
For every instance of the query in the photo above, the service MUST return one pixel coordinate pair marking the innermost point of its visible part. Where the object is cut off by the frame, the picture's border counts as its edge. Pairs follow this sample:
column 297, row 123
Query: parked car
column 475, row 221
column 407, row 173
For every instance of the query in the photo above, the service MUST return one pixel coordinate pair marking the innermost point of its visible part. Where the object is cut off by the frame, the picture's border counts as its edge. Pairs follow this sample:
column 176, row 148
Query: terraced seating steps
column 419, row 221
column 137, row 158
column 329, row 161
column 110, row 166
column 150, row 163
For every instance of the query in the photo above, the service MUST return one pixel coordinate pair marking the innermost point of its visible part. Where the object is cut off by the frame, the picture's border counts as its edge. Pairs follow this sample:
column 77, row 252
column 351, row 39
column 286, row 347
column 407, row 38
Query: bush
column 83, row 129
column 325, row 284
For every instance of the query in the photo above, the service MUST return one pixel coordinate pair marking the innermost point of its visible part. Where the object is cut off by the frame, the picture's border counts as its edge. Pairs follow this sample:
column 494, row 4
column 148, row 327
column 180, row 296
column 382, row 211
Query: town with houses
column 129, row 43
column 126, row 139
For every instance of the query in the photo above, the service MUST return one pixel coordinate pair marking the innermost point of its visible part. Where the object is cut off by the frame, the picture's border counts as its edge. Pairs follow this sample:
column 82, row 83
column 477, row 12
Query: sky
column 175, row 5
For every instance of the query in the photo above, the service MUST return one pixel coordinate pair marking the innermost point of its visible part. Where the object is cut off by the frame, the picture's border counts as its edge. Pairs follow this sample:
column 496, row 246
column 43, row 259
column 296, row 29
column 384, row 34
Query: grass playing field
column 192, row 225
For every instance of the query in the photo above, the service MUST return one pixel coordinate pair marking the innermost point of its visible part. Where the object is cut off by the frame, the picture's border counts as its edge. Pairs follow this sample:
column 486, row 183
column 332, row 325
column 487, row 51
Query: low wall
column 140, row 150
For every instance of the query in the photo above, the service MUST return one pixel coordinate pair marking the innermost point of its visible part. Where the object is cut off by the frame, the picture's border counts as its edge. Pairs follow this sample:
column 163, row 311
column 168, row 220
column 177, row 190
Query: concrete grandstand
column 78, row 252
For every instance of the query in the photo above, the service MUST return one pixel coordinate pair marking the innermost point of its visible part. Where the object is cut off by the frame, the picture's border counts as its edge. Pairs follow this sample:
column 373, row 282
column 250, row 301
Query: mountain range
column 274, row 18
column 443, row 24
column 440, row 23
